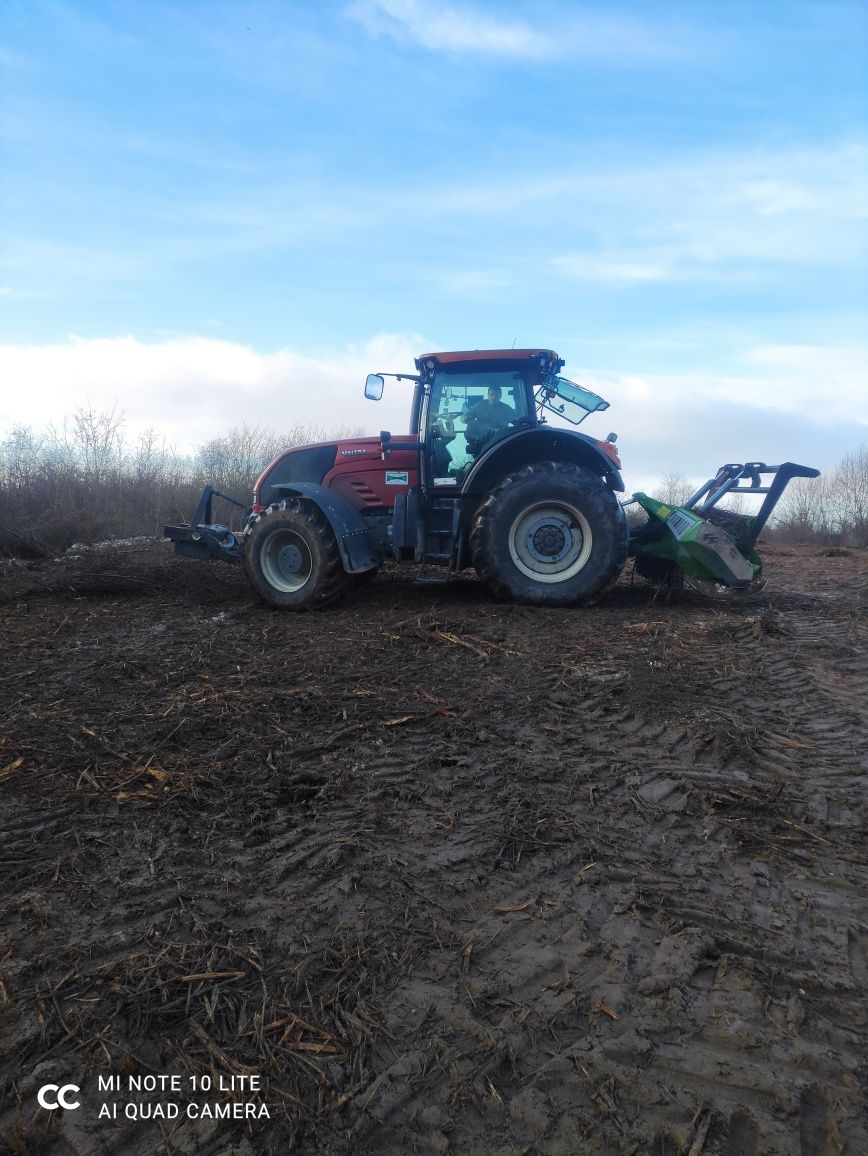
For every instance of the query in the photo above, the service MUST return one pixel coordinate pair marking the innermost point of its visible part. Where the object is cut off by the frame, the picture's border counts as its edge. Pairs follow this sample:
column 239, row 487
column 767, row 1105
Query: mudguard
column 353, row 535
column 533, row 444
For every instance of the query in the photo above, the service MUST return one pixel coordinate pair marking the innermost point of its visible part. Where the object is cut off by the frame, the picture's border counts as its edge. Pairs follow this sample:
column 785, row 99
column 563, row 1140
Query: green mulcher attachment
column 713, row 549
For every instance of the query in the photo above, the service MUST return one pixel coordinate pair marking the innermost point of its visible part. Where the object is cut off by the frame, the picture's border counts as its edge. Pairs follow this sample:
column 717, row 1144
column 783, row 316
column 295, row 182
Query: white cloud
column 786, row 390
column 710, row 216
column 716, row 216
column 822, row 384
column 192, row 388
column 719, row 217
column 14, row 60
column 771, row 198
column 792, row 403
column 818, row 379
column 614, row 267
column 481, row 284
column 64, row 263
column 581, row 35
column 447, row 28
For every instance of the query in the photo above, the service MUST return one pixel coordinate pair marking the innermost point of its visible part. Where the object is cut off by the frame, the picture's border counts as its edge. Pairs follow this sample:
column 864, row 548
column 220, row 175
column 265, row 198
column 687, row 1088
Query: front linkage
column 203, row 539
column 709, row 544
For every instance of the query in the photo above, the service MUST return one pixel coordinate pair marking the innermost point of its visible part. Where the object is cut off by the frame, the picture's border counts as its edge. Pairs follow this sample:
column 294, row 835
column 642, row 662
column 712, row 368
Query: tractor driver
column 486, row 417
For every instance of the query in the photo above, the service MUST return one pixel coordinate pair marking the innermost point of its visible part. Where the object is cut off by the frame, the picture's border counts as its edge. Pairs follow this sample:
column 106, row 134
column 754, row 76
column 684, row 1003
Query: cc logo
column 59, row 1100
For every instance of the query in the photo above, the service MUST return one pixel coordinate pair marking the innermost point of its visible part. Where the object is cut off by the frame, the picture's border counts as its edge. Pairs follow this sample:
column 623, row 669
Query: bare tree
column 674, row 489
column 21, row 456
column 233, row 460
column 852, row 494
column 98, row 438
column 805, row 512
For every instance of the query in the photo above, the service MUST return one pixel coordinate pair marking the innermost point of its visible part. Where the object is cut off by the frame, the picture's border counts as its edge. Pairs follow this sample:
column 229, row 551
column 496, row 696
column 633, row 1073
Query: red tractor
column 481, row 480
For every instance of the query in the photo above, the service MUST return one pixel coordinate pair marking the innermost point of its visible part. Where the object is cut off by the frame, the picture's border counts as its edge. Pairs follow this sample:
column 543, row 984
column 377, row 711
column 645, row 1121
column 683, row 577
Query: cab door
column 444, row 451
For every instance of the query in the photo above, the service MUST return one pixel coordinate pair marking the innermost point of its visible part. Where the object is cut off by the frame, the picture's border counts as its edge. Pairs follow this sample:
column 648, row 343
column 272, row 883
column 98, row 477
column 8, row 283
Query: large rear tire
column 550, row 534
column 292, row 560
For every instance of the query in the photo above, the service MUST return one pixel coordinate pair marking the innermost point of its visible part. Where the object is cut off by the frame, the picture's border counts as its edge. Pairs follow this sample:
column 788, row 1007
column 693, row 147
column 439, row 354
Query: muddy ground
column 446, row 875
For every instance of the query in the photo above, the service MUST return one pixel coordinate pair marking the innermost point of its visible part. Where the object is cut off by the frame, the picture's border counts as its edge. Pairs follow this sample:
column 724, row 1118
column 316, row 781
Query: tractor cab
column 468, row 411
column 465, row 403
column 472, row 400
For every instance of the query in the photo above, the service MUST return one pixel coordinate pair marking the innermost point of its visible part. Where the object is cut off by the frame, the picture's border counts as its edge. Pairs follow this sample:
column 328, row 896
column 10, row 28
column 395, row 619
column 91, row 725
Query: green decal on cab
column 397, row 478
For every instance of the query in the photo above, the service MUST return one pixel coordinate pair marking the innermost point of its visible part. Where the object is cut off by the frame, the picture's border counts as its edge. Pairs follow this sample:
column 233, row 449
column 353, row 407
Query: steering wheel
column 478, row 427
column 443, row 426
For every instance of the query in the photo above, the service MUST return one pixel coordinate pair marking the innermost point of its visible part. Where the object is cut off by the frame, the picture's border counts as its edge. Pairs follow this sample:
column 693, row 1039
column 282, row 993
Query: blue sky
column 255, row 204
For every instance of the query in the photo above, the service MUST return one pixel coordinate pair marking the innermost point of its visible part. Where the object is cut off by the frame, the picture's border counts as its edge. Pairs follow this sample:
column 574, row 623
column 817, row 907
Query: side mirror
column 374, row 387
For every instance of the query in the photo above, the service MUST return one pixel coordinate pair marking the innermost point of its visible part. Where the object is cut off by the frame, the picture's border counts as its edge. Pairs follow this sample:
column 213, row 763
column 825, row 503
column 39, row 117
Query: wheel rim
column 551, row 541
column 286, row 561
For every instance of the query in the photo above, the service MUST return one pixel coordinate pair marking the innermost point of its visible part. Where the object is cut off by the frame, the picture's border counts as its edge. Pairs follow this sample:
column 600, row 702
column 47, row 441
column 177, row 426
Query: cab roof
column 487, row 355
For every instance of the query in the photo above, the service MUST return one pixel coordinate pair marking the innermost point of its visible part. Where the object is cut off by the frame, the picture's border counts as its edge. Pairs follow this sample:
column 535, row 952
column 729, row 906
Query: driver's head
column 494, row 393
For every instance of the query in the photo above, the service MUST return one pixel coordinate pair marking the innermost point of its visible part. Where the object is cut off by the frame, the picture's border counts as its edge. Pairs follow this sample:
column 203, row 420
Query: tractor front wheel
column 550, row 534
column 291, row 558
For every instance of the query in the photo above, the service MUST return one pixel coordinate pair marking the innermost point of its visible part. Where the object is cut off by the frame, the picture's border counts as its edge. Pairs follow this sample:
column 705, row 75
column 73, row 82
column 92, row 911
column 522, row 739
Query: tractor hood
column 298, row 464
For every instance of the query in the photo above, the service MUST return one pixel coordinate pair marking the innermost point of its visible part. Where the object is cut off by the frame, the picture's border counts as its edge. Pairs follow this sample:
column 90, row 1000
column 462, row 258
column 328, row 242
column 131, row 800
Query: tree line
column 84, row 481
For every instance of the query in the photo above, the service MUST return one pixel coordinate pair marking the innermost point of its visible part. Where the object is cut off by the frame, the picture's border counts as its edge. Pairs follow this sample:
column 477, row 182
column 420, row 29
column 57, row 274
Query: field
column 445, row 874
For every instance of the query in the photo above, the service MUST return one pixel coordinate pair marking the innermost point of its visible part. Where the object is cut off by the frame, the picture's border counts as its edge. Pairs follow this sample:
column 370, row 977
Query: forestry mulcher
column 484, row 480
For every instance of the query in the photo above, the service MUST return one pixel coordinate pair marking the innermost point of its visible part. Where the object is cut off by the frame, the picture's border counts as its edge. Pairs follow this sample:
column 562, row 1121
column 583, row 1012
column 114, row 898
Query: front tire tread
column 328, row 583
column 488, row 537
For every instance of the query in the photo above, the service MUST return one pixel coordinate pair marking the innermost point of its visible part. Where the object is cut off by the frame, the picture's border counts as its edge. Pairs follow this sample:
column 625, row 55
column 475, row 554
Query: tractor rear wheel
column 550, row 534
column 291, row 558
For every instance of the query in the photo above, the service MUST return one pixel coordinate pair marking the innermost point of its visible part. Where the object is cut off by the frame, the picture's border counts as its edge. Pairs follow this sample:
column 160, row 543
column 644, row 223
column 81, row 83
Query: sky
column 215, row 212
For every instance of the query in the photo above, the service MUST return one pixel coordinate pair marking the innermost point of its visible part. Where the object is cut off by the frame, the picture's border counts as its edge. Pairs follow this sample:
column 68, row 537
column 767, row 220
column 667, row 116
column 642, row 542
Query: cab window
column 466, row 414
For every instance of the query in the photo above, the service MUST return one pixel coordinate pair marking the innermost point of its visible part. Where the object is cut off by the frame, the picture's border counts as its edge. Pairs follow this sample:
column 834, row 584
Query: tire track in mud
column 595, row 879
column 649, row 972
column 797, row 782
